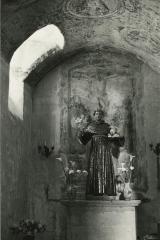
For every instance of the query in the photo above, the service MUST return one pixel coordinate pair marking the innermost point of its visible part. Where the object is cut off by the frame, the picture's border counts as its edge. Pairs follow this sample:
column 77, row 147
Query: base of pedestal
column 101, row 220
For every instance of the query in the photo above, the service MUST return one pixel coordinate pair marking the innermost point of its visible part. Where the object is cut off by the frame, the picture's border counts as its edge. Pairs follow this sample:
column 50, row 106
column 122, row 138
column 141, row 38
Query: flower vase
column 29, row 237
column 127, row 191
column 134, row 195
column 119, row 190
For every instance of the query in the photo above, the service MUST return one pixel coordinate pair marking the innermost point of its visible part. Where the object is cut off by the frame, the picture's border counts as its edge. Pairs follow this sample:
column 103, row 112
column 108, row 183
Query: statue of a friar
column 101, row 177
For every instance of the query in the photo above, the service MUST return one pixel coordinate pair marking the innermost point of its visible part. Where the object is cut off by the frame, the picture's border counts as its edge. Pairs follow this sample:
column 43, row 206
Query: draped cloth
column 101, row 177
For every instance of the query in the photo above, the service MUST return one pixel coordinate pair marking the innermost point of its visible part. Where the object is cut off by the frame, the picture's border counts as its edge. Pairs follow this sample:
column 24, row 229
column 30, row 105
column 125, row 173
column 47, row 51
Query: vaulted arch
column 45, row 42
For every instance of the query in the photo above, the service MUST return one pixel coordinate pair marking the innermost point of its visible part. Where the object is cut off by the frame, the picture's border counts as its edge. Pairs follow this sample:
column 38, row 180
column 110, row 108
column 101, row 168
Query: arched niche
column 73, row 88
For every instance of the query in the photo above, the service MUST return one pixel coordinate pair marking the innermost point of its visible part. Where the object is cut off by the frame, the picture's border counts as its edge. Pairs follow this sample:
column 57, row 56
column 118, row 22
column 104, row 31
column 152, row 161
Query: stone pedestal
column 101, row 220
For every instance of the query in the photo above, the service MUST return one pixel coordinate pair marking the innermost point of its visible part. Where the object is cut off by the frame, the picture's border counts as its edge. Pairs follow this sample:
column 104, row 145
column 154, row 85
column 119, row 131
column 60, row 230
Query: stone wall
column 15, row 153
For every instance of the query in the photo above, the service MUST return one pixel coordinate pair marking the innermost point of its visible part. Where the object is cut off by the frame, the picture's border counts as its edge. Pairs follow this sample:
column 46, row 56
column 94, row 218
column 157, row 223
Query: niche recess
column 73, row 88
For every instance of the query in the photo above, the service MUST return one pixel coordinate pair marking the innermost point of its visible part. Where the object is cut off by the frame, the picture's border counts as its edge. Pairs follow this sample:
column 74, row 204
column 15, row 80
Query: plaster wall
column 15, row 153
column 149, row 213
column 46, row 173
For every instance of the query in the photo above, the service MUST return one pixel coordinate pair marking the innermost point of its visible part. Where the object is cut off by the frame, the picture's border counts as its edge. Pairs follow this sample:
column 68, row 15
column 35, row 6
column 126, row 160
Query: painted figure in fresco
column 101, row 177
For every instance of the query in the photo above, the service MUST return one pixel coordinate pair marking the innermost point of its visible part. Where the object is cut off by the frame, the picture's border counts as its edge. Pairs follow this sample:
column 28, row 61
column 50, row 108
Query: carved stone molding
column 101, row 203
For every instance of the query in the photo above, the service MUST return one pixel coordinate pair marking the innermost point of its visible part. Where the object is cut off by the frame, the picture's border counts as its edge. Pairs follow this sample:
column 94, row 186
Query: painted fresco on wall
column 135, row 38
column 106, row 78
column 99, row 81
column 100, row 8
column 92, row 8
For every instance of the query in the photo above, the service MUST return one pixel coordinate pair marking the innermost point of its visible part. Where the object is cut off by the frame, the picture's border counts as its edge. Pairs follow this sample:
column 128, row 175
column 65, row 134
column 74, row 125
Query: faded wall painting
column 73, row 91
column 109, row 79
column 100, row 8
